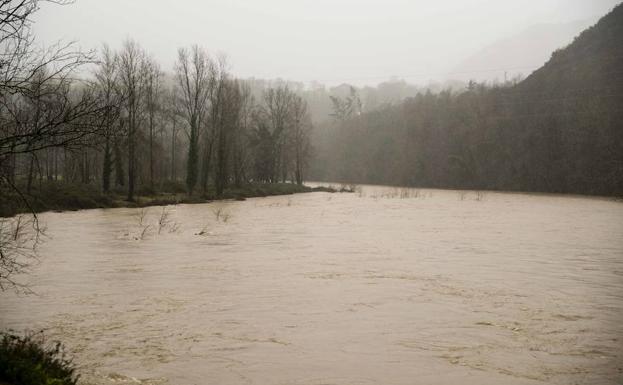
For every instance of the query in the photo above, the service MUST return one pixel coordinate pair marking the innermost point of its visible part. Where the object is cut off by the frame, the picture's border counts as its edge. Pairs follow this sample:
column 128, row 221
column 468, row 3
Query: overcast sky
column 331, row 41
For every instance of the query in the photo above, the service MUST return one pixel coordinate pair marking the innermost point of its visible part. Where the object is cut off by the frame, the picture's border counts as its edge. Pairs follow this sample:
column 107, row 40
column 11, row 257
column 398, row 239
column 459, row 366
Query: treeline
column 560, row 130
column 319, row 96
column 114, row 119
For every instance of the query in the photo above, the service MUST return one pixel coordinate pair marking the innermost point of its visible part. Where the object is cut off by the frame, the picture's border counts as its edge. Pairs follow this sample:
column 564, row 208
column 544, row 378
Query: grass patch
column 30, row 360
column 263, row 190
column 54, row 196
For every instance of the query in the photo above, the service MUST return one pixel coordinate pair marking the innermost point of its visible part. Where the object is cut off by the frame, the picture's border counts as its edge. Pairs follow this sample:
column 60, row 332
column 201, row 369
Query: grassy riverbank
column 63, row 197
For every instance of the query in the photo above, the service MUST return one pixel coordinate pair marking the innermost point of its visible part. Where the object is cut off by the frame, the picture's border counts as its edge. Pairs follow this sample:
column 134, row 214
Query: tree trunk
column 55, row 152
column 205, row 170
column 193, row 157
column 221, row 167
column 299, row 166
column 31, row 170
column 119, row 174
column 173, row 137
column 151, row 150
column 107, row 166
column 131, row 158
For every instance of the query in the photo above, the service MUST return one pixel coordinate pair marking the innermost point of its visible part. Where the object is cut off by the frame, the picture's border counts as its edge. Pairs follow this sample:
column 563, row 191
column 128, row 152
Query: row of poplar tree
column 115, row 119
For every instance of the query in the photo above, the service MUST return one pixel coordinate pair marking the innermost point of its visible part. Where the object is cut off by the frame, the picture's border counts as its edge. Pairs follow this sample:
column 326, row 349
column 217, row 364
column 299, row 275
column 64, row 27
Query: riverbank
column 62, row 197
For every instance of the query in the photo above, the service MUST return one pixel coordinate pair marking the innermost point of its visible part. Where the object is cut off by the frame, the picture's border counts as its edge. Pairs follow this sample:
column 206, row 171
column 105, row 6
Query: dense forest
column 560, row 130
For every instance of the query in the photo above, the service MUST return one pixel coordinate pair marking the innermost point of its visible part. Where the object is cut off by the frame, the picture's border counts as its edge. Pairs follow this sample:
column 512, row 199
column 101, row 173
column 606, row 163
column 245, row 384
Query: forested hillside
column 559, row 130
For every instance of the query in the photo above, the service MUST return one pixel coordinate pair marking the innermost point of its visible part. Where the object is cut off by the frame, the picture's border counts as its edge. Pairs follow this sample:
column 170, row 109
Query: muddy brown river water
column 386, row 286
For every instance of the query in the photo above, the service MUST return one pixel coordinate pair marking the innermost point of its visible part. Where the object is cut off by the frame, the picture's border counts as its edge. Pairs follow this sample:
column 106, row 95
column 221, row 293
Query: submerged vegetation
column 31, row 360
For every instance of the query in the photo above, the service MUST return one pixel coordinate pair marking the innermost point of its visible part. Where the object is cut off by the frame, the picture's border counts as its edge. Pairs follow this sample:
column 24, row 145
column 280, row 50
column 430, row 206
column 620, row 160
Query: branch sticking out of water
column 164, row 219
column 220, row 214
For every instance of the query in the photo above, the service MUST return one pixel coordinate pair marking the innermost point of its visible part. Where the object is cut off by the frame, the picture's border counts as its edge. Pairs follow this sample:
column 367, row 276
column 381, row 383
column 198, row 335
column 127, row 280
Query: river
column 382, row 286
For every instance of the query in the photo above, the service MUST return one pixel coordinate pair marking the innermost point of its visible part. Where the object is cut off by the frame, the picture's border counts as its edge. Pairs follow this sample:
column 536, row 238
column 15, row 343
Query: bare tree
column 152, row 95
column 107, row 82
column 225, row 104
column 132, row 78
column 193, row 70
column 347, row 107
column 172, row 111
column 277, row 106
column 301, row 125
column 240, row 137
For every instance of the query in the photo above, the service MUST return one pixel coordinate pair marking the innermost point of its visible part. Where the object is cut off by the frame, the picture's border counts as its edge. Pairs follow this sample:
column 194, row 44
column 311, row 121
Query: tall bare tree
column 132, row 78
column 193, row 71
column 152, row 96
column 224, row 102
column 278, row 103
column 240, row 137
column 301, row 126
column 107, row 82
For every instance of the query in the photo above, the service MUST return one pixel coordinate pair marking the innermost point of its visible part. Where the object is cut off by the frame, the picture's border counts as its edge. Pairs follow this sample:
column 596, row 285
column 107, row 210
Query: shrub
column 173, row 187
column 146, row 190
column 30, row 360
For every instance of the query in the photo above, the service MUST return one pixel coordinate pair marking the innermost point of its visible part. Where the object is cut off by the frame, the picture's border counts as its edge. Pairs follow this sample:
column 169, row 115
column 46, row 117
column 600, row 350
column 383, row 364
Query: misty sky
column 330, row 41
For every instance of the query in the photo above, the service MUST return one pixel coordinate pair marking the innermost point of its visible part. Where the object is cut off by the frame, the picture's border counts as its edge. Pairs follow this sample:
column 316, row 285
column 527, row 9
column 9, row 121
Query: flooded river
column 384, row 286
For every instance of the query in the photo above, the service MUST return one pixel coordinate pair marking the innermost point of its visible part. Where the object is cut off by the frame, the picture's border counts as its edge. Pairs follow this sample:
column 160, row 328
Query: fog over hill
column 519, row 54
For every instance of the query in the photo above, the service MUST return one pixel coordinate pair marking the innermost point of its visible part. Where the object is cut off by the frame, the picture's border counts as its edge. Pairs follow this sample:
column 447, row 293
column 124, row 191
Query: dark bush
column 146, row 191
column 30, row 360
column 173, row 187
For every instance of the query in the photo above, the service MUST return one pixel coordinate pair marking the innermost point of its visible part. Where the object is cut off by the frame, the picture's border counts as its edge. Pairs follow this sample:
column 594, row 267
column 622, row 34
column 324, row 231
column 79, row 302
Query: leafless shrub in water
column 220, row 214
column 140, row 215
column 174, row 228
column 203, row 231
column 347, row 187
column 411, row 193
column 217, row 213
column 164, row 219
column 359, row 191
column 225, row 217
column 144, row 232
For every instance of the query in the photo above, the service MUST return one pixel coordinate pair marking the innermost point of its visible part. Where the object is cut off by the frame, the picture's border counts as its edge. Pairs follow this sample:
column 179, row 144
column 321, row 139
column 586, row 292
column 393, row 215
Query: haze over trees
column 122, row 124
column 559, row 130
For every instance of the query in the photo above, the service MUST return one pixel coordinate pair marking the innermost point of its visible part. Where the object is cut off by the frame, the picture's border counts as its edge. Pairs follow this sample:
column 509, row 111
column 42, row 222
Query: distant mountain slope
column 519, row 54
column 593, row 59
